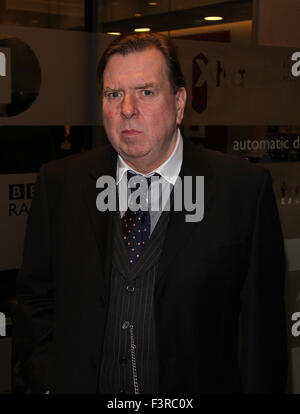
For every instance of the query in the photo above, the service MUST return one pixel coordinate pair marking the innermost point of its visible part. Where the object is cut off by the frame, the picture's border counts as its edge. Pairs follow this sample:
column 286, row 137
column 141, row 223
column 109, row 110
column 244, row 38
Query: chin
column 134, row 152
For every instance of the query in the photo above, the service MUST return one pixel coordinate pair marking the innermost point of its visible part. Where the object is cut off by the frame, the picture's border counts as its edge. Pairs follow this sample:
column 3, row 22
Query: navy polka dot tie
column 136, row 228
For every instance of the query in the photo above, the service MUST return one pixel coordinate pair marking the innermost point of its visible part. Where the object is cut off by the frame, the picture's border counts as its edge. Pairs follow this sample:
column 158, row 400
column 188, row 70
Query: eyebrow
column 145, row 85
column 142, row 86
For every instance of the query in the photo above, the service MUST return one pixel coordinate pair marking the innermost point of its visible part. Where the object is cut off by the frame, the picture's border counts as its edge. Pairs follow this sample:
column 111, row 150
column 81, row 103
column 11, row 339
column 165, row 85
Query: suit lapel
column 101, row 222
column 179, row 231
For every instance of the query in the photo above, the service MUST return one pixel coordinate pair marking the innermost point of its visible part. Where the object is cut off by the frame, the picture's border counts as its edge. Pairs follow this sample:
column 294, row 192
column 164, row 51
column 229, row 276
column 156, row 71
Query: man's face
column 140, row 111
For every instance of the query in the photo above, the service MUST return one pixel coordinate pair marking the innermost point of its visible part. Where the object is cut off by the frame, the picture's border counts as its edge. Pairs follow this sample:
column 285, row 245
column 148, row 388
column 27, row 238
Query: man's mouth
column 131, row 132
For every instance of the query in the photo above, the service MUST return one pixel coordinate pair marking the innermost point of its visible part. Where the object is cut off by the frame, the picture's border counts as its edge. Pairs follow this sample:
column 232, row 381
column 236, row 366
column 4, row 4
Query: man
column 116, row 311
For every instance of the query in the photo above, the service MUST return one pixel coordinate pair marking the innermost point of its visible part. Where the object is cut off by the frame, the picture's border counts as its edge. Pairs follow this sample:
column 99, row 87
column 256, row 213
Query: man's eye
column 147, row 92
column 114, row 94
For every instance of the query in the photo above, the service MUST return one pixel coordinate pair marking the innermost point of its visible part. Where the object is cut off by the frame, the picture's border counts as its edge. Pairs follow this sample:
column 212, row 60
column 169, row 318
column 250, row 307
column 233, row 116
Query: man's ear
column 180, row 104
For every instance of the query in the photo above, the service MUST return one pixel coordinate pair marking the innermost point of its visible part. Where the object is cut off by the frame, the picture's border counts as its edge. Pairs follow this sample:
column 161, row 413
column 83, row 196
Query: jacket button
column 123, row 360
column 130, row 288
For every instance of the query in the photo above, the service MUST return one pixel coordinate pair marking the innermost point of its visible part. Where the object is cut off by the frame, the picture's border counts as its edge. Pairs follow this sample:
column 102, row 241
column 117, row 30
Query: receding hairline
column 133, row 43
column 132, row 52
column 135, row 52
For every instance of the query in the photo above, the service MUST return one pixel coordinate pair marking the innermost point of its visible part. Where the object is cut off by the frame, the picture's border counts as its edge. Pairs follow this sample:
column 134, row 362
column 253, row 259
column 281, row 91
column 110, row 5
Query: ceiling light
column 213, row 18
column 152, row 3
column 142, row 29
column 114, row 33
column 137, row 14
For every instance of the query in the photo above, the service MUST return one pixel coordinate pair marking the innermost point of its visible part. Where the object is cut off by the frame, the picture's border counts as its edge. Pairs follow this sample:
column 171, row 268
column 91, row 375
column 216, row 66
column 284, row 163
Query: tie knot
column 143, row 194
column 131, row 174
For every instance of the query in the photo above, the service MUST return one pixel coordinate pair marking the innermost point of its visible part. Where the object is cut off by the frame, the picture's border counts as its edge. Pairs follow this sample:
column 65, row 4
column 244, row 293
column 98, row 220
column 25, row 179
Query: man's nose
column 128, row 106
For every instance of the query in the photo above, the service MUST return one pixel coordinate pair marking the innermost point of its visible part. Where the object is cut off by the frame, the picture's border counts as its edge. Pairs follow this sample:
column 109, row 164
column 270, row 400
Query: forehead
column 147, row 65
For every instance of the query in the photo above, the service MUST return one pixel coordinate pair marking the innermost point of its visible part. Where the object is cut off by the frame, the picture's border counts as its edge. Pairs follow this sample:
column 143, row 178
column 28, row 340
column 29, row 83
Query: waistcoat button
column 125, row 325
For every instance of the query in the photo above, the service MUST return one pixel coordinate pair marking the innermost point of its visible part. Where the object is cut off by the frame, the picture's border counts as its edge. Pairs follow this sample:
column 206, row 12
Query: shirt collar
column 169, row 170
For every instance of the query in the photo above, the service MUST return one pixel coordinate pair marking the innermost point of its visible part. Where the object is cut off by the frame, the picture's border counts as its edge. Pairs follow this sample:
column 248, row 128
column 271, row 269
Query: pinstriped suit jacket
column 212, row 274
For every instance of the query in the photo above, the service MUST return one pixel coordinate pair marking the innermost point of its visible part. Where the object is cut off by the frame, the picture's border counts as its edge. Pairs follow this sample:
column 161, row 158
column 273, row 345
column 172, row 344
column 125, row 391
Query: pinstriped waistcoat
column 131, row 316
